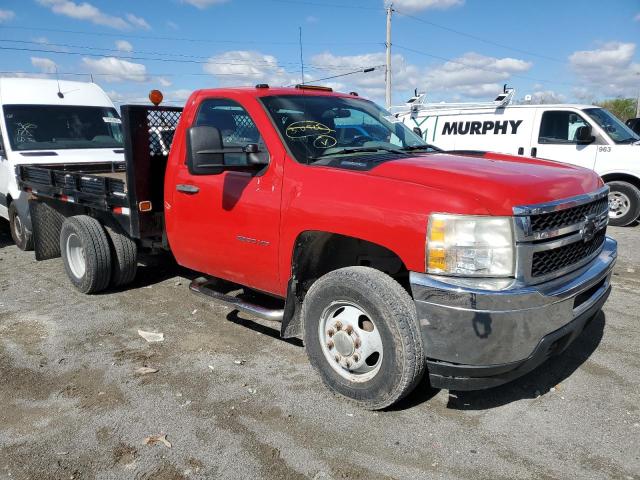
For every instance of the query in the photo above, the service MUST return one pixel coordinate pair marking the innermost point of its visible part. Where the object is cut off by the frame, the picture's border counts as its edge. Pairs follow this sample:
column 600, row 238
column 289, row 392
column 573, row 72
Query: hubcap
column 350, row 341
column 75, row 256
column 17, row 227
column 619, row 204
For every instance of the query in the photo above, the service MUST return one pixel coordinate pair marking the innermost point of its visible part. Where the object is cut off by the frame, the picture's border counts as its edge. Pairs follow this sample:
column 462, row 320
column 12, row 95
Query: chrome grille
column 570, row 216
column 549, row 261
column 558, row 237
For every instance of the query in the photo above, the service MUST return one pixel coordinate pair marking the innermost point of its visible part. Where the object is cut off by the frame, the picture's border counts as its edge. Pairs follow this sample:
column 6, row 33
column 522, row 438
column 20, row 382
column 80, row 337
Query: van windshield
column 617, row 130
column 318, row 128
column 55, row 127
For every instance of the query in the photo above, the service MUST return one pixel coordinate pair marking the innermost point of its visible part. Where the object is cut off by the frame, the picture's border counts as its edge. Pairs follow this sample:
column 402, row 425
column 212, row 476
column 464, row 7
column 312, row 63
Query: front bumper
column 482, row 334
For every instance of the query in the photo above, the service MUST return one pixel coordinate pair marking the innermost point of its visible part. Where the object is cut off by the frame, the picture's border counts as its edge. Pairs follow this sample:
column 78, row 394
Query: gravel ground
column 235, row 401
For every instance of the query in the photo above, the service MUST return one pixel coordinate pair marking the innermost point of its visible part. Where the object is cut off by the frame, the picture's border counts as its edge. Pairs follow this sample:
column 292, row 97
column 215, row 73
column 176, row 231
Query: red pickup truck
column 389, row 257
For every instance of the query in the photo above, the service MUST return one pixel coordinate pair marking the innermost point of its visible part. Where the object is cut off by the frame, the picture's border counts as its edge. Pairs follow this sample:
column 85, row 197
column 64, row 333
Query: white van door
column 5, row 176
column 554, row 138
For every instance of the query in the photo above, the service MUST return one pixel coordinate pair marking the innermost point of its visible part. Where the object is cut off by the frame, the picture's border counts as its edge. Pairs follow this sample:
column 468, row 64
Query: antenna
column 301, row 58
column 60, row 94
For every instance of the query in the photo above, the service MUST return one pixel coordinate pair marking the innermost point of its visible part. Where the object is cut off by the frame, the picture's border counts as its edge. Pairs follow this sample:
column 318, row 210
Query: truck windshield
column 319, row 127
column 617, row 130
column 43, row 127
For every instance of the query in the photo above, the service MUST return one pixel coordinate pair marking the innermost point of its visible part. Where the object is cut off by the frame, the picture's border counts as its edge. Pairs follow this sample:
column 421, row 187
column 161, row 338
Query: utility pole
column 387, row 78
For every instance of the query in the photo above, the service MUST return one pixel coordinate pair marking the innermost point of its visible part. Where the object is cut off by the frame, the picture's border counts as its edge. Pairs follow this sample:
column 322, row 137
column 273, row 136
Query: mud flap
column 46, row 223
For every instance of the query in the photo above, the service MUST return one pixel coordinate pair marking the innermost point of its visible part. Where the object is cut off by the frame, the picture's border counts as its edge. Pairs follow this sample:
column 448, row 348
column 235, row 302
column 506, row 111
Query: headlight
column 470, row 246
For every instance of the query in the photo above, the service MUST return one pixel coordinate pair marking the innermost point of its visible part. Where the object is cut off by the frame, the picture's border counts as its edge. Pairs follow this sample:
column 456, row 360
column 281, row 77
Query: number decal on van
column 604, row 149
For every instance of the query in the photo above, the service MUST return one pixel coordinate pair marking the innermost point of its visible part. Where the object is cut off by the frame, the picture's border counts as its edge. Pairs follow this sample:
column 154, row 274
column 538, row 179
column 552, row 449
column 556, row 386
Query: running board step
column 204, row 287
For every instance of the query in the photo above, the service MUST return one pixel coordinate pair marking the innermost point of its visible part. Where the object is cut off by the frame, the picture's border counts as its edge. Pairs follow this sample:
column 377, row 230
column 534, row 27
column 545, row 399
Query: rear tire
column 361, row 335
column 624, row 203
column 21, row 235
column 85, row 253
column 124, row 258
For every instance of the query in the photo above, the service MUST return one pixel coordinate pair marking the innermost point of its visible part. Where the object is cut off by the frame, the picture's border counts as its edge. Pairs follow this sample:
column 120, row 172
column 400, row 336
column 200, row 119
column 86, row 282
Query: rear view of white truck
column 583, row 135
column 50, row 122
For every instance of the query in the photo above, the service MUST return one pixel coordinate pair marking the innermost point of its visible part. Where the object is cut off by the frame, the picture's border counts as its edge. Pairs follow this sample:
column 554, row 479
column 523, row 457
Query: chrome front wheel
column 350, row 341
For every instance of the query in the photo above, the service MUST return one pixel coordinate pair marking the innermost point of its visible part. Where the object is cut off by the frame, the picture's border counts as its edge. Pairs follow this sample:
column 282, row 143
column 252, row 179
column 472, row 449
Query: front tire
column 361, row 335
column 624, row 203
column 85, row 253
column 21, row 235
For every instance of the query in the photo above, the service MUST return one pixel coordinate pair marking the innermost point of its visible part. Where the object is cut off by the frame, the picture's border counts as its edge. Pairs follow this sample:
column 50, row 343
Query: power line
column 206, row 58
column 476, row 67
column 480, row 39
column 332, row 5
column 171, row 39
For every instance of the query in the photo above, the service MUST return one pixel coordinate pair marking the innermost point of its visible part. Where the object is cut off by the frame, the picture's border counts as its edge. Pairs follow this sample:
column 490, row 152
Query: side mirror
column 417, row 131
column 204, row 151
column 584, row 135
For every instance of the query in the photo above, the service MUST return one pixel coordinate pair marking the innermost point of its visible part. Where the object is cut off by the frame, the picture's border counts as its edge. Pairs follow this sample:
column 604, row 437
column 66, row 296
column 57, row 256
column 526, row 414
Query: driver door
column 554, row 138
column 227, row 224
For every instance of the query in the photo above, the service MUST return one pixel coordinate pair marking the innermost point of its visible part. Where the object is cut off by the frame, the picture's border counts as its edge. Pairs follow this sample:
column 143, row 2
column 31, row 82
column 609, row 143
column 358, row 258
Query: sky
column 454, row 50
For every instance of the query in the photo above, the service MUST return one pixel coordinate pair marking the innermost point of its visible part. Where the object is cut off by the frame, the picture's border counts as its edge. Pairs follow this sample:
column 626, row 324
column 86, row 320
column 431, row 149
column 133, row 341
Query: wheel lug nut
column 348, row 364
column 357, row 343
column 331, row 332
column 338, row 325
column 349, row 329
column 356, row 357
column 330, row 344
column 337, row 357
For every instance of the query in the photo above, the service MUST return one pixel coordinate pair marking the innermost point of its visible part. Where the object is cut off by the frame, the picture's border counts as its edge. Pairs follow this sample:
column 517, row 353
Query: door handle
column 534, row 151
column 191, row 189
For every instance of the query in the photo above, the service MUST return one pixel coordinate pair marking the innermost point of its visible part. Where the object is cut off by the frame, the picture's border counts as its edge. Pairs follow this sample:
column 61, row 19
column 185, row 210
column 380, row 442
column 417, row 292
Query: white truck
column 50, row 122
column 582, row 135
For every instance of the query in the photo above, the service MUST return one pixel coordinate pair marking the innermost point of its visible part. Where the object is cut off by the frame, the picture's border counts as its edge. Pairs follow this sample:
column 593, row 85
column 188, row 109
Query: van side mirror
column 417, row 131
column 584, row 134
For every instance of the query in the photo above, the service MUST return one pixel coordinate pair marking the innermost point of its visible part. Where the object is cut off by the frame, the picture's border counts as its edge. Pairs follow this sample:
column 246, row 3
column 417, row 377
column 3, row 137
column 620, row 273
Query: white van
column 582, row 135
column 49, row 122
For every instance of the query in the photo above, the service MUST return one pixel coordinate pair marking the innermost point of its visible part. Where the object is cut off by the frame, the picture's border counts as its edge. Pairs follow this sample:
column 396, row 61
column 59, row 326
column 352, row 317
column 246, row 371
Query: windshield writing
column 320, row 127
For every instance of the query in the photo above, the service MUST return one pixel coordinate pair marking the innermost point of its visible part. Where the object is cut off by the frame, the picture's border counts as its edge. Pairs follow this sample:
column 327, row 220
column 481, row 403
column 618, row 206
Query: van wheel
column 624, row 203
column 361, row 335
column 21, row 235
column 124, row 256
column 85, row 253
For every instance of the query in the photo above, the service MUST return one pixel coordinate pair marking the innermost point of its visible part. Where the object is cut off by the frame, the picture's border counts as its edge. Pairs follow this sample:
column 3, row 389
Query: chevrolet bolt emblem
column 589, row 228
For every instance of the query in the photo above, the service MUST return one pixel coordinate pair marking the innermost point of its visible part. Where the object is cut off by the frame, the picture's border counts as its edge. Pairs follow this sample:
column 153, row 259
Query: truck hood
column 498, row 181
column 84, row 155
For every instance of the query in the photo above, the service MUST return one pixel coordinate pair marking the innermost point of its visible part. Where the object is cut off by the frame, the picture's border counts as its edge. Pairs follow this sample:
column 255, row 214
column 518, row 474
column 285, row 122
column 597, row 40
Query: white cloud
column 311, row 19
column 43, row 40
column 46, row 65
column 608, row 70
column 116, row 69
column 124, row 46
column 138, row 21
column 547, row 96
column 201, row 4
column 418, row 5
column 88, row 12
column 6, row 15
column 243, row 67
column 172, row 25
column 164, row 82
column 637, row 18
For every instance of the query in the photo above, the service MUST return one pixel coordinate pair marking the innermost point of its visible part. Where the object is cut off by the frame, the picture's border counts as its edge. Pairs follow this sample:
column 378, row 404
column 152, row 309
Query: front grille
column 567, row 217
column 549, row 261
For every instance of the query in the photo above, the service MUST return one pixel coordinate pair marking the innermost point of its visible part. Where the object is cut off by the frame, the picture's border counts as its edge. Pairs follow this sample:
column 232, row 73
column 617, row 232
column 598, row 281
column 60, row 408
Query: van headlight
column 472, row 246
